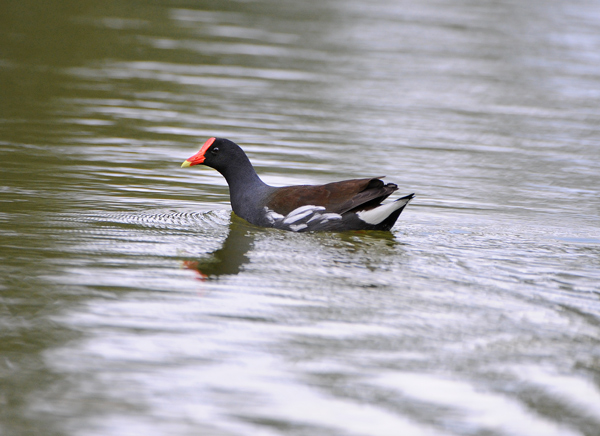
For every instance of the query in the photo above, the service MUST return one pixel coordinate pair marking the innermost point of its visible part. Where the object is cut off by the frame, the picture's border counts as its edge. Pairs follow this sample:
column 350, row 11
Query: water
column 133, row 302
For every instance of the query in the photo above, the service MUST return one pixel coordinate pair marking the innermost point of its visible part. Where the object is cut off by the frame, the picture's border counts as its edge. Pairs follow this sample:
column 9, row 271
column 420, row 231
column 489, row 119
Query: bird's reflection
column 366, row 247
column 230, row 258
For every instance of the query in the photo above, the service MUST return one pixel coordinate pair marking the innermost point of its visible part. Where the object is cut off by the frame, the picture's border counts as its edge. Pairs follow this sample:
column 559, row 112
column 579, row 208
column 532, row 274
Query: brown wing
column 337, row 197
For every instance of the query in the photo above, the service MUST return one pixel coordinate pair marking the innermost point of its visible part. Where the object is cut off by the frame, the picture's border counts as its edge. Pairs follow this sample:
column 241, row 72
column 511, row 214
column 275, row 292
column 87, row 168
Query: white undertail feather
column 380, row 213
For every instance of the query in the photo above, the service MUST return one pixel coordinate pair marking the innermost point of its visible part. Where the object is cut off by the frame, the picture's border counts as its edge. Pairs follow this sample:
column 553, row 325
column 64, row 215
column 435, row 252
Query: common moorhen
column 338, row 206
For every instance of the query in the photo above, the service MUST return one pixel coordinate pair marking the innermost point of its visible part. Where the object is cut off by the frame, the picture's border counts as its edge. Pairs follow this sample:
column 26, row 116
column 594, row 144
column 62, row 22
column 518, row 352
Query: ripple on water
column 169, row 220
column 109, row 236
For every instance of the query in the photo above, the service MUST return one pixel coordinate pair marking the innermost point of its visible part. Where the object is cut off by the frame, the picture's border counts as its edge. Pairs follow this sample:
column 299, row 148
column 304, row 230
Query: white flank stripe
column 301, row 212
column 297, row 227
column 330, row 216
column 272, row 216
column 316, row 216
column 380, row 213
column 305, row 208
column 297, row 217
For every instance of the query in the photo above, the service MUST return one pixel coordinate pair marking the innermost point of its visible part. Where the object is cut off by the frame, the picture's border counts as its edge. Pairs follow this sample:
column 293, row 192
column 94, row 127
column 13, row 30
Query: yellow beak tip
column 186, row 164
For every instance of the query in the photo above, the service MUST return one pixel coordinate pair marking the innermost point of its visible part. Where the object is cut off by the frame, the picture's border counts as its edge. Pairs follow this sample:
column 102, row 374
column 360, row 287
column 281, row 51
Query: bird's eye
column 214, row 150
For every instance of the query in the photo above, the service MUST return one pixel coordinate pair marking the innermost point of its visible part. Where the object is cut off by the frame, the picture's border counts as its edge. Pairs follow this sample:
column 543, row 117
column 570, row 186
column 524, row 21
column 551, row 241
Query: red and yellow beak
column 199, row 157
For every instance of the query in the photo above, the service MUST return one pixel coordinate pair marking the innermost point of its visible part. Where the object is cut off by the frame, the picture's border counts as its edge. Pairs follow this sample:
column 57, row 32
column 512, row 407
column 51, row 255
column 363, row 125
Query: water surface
column 133, row 302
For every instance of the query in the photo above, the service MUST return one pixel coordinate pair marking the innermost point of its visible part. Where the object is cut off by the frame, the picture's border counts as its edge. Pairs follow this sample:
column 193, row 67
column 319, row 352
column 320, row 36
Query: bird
column 354, row 204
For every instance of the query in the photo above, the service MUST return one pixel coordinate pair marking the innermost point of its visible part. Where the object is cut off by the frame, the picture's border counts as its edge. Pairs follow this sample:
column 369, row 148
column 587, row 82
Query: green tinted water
column 477, row 314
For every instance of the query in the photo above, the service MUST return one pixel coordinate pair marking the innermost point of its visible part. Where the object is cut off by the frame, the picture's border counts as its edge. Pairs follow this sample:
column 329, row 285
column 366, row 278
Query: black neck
column 245, row 187
column 240, row 174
